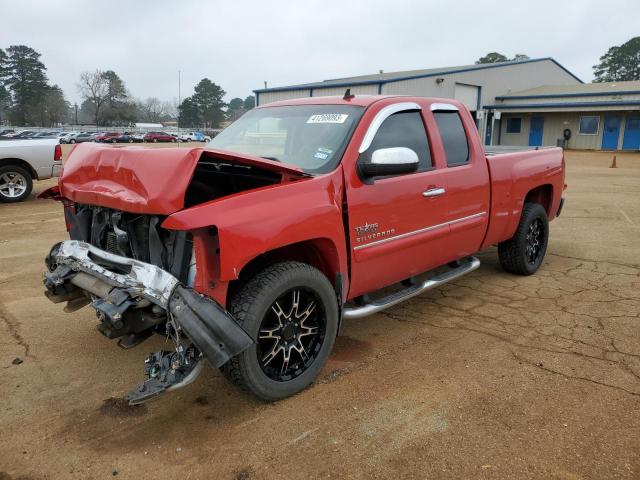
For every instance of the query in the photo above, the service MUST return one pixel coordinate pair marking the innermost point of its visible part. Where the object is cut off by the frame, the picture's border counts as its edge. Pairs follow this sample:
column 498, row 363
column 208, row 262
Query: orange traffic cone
column 614, row 164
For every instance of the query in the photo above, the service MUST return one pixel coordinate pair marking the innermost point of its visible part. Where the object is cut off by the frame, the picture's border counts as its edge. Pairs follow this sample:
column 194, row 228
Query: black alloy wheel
column 290, row 309
column 291, row 335
column 534, row 237
column 524, row 252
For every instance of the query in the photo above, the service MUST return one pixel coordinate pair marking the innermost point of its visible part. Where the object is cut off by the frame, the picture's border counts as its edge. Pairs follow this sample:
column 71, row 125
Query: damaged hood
column 143, row 180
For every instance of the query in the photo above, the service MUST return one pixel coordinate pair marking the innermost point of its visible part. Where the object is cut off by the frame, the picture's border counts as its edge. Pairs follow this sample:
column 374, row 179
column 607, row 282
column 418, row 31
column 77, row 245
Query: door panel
column 535, row 131
column 395, row 231
column 611, row 132
column 631, row 133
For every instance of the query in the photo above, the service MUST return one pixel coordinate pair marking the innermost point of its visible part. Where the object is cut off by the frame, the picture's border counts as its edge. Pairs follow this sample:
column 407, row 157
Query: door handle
column 433, row 192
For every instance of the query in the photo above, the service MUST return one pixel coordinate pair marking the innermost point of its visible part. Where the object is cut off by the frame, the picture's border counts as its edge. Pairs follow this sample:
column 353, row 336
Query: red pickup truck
column 249, row 253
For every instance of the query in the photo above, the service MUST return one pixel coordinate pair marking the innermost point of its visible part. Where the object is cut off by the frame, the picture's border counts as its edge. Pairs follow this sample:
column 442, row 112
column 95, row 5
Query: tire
column 114, row 141
column 16, row 183
column 131, row 140
column 155, row 140
column 72, row 141
column 253, row 307
column 524, row 252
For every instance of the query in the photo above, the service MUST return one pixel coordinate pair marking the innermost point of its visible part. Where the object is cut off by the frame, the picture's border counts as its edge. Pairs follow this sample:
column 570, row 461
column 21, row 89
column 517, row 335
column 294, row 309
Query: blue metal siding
column 561, row 105
column 569, row 95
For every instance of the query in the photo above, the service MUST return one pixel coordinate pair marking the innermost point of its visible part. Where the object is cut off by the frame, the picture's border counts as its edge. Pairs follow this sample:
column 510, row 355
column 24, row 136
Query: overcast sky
column 240, row 44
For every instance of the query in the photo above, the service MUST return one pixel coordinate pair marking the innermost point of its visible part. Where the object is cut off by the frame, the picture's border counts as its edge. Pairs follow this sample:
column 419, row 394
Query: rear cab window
column 454, row 137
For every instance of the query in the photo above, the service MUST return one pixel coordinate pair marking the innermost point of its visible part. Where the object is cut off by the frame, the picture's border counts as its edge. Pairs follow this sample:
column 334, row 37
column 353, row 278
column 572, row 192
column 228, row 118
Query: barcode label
column 328, row 118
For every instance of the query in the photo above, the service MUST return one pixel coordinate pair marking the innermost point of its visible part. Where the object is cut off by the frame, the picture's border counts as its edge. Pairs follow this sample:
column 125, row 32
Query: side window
column 454, row 138
column 403, row 129
column 514, row 125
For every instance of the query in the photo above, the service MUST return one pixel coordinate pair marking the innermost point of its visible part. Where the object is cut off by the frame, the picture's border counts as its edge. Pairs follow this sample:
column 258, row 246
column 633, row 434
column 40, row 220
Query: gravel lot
column 495, row 376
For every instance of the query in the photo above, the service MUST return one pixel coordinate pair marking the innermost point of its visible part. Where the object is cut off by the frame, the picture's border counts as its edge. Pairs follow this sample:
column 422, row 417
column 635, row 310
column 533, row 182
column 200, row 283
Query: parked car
column 66, row 136
column 82, row 137
column 22, row 162
column 194, row 137
column 127, row 137
column 46, row 134
column 4, row 133
column 107, row 137
column 159, row 137
column 24, row 134
column 250, row 253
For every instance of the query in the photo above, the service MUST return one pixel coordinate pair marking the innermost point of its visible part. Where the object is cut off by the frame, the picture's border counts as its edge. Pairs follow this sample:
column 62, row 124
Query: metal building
column 477, row 86
column 598, row 116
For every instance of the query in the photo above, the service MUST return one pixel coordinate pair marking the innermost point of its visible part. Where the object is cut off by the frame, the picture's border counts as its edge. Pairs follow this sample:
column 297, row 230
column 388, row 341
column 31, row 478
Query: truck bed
column 491, row 150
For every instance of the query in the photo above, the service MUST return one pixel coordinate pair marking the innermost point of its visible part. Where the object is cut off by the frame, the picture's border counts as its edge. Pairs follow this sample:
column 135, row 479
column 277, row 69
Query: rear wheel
column 155, row 140
column 290, row 310
column 524, row 252
column 15, row 183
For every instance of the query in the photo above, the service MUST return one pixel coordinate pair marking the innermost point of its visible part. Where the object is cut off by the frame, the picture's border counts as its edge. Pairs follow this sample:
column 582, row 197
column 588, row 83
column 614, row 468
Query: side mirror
column 390, row 161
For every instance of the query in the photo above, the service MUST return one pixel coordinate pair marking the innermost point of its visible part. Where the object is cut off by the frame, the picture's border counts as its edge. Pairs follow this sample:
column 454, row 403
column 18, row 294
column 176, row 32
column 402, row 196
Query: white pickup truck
column 22, row 162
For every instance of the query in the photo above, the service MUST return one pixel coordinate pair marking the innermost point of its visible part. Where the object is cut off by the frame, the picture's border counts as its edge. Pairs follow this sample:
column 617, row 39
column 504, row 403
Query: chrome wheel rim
column 12, row 184
column 291, row 335
column 535, row 238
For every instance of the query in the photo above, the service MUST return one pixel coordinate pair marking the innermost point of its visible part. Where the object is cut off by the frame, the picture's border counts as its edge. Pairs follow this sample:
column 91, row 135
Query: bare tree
column 155, row 110
column 94, row 87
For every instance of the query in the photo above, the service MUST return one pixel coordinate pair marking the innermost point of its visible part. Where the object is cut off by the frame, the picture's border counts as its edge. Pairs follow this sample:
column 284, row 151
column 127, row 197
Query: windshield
column 312, row 137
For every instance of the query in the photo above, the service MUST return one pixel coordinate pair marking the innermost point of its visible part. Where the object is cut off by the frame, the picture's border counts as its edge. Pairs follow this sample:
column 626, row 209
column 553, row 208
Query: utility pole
column 76, row 107
column 179, row 100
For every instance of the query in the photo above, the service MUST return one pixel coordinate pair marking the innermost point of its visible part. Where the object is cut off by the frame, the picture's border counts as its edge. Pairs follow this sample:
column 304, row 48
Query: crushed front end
column 133, row 299
column 139, row 277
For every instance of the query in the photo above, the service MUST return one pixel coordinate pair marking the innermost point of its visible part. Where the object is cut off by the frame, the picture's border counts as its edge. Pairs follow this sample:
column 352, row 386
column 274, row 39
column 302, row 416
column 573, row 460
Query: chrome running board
column 385, row 302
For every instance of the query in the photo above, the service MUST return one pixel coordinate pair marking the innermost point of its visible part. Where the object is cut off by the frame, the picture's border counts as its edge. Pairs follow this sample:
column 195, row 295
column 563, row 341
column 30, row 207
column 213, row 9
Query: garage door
column 467, row 94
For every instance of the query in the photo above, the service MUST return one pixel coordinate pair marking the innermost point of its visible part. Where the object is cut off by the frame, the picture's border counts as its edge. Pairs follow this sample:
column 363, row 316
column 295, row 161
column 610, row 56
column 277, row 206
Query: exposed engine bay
column 137, row 276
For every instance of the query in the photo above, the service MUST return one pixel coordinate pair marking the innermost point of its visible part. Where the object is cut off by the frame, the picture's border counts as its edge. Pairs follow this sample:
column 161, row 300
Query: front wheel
column 524, row 252
column 291, row 311
column 15, row 184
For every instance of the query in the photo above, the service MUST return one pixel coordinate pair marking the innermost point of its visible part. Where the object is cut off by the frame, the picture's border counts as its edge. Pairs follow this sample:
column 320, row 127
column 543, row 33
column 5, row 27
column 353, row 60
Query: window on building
column 514, row 125
column 589, row 125
column 454, row 138
column 403, row 129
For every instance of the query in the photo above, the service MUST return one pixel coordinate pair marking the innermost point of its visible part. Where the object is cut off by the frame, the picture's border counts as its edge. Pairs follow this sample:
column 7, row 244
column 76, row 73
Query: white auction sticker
column 328, row 118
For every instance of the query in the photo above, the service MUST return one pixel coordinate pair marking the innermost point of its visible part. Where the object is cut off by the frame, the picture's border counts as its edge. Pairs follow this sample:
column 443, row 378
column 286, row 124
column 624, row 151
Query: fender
column 255, row 222
column 513, row 176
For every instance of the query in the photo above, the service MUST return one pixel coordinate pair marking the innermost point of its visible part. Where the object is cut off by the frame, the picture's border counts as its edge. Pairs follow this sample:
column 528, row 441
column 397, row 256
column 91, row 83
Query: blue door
column 631, row 139
column 611, row 133
column 535, row 131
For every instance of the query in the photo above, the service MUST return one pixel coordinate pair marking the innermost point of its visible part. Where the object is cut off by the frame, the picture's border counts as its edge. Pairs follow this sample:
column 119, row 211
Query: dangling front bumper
column 132, row 297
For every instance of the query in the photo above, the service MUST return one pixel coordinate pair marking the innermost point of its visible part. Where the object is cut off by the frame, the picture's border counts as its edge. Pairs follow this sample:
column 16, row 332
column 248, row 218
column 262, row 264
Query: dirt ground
column 495, row 376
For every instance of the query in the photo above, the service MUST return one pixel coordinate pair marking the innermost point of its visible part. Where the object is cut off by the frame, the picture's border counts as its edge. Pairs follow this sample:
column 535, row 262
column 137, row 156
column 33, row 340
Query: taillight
column 57, row 154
